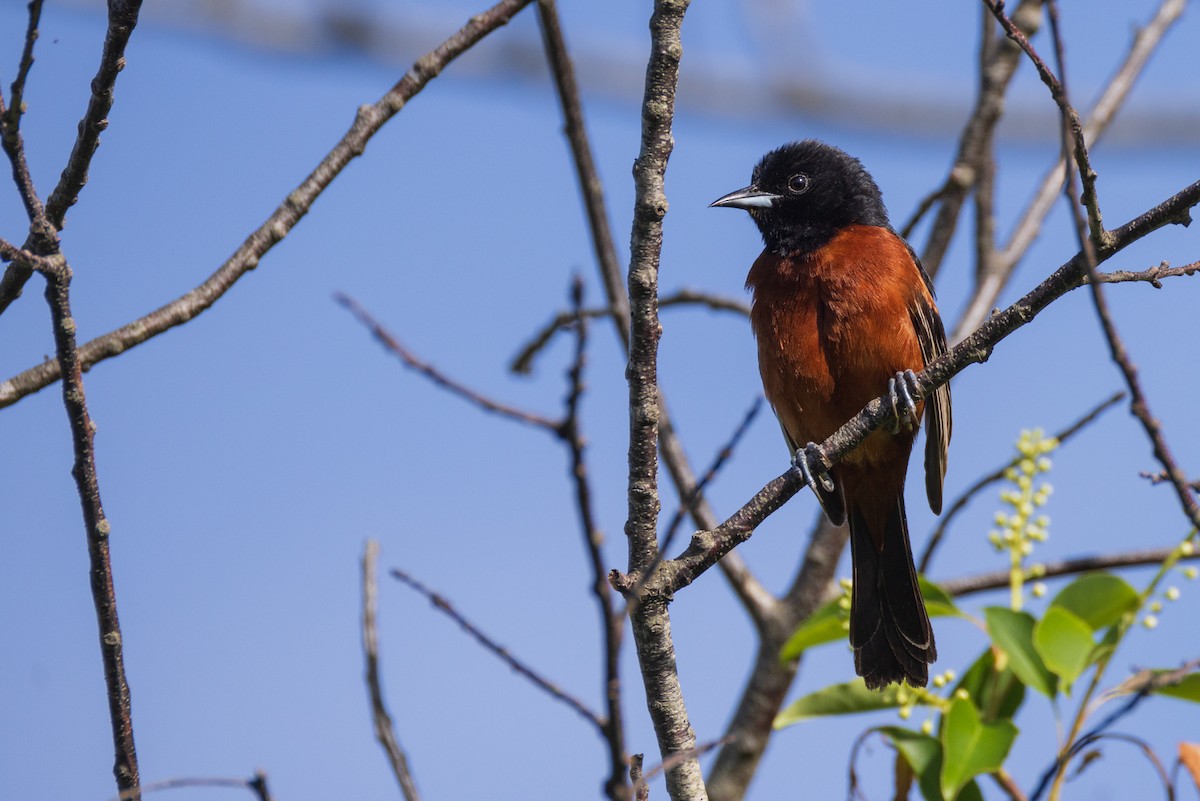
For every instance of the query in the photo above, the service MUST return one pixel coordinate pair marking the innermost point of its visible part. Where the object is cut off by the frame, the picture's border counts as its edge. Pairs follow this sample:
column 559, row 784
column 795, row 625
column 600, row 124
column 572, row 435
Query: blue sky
column 245, row 457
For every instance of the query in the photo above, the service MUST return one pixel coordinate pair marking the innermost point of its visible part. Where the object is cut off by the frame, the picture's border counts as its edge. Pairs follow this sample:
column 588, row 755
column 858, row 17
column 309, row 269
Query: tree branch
column 385, row 731
column 411, row 361
column 83, row 432
column 612, row 623
column 981, row 582
column 523, row 361
column 440, row 603
column 650, row 618
column 369, row 119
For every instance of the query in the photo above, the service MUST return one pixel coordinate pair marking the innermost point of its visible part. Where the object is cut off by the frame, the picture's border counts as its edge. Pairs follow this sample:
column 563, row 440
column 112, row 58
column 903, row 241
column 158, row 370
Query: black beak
column 751, row 197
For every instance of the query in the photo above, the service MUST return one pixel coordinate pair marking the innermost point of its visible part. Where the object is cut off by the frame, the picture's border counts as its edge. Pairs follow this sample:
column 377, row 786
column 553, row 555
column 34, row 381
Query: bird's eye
column 798, row 184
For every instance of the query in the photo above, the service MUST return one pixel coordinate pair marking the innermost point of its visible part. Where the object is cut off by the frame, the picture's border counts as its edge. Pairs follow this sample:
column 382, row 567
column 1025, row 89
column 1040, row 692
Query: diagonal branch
column 411, row 361
column 385, row 731
column 996, row 579
column 97, row 528
column 442, row 605
column 367, row 122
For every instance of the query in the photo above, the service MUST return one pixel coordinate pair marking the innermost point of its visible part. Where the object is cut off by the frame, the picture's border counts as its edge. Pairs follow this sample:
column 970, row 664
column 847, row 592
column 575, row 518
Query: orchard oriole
column 843, row 311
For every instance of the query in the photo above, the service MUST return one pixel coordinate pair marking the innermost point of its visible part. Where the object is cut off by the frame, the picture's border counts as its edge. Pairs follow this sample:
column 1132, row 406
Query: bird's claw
column 904, row 408
column 800, row 463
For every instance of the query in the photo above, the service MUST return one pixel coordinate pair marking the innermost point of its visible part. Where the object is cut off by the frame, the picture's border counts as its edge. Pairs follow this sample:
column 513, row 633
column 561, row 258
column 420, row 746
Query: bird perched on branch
column 843, row 312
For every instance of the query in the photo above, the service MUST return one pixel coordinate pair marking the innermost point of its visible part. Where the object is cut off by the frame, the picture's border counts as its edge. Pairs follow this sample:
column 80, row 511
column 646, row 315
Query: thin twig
column 612, row 625
column 410, row 360
column 723, row 455
column 523, row 361
column 677, row 758
column 367, row 122
column 14, row 145
column 996, row 475
column 1161, row 477
column 122, row 18
column 1066, row 567
column 1008, row 784
column 441, row 604
column 97, row 528
column 590, row 185
column 385, row 730
column 12, row 118
column 1084, row 742
column 256, row 785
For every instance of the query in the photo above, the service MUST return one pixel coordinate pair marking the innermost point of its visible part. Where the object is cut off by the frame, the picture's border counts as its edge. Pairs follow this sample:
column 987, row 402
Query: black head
column 802, row 194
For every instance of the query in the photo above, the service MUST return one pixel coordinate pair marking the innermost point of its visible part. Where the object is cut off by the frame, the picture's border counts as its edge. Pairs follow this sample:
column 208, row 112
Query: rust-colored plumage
column 842, row 306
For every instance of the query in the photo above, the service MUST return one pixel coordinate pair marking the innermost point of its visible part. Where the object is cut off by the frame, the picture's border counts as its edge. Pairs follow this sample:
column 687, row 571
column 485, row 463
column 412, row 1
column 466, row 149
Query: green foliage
column 971, row 747
column 1075, row 636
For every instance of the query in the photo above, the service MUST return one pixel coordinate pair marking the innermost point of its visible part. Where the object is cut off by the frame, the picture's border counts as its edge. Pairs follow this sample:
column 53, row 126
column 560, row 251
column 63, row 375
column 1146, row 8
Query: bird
column 843, row 313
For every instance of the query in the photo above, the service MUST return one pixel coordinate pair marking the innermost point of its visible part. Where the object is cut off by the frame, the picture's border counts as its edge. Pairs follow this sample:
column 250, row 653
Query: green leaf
column 827, row 624
column 1187, row 688
column 923, row 754
column 970, row 746
column 1012, row 632
column 997, row 694
column 838, row 699
column 1064, row 642
column 970, row 792
column 822, row 626
column 1099, row 599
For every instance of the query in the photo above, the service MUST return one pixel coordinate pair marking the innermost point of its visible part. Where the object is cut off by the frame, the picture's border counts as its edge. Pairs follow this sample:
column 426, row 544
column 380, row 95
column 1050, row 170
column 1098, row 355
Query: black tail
column 889, row 628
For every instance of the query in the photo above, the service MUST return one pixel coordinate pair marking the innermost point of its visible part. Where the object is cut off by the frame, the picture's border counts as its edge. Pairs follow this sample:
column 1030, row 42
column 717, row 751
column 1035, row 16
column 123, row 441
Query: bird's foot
column 805, row 457
column 904, row 408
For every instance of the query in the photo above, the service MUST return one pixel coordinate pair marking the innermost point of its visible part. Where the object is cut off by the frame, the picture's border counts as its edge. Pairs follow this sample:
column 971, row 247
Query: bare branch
column 97, row 528
column 1067, row 567
column 1152, row 276
column 14, row 146
column 996, row 475
column 11, row 119
column 523, row 361
column 1161, row 477
column 612, row 623
column 723, row 455
column 590, row 185
column 385, row 730
column 441, row 604
column 1008, row 785
column 650, row 618
column 679, row 757
column 410, row 360
column 369, row 119
column 256, row 785
column 122, row 18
